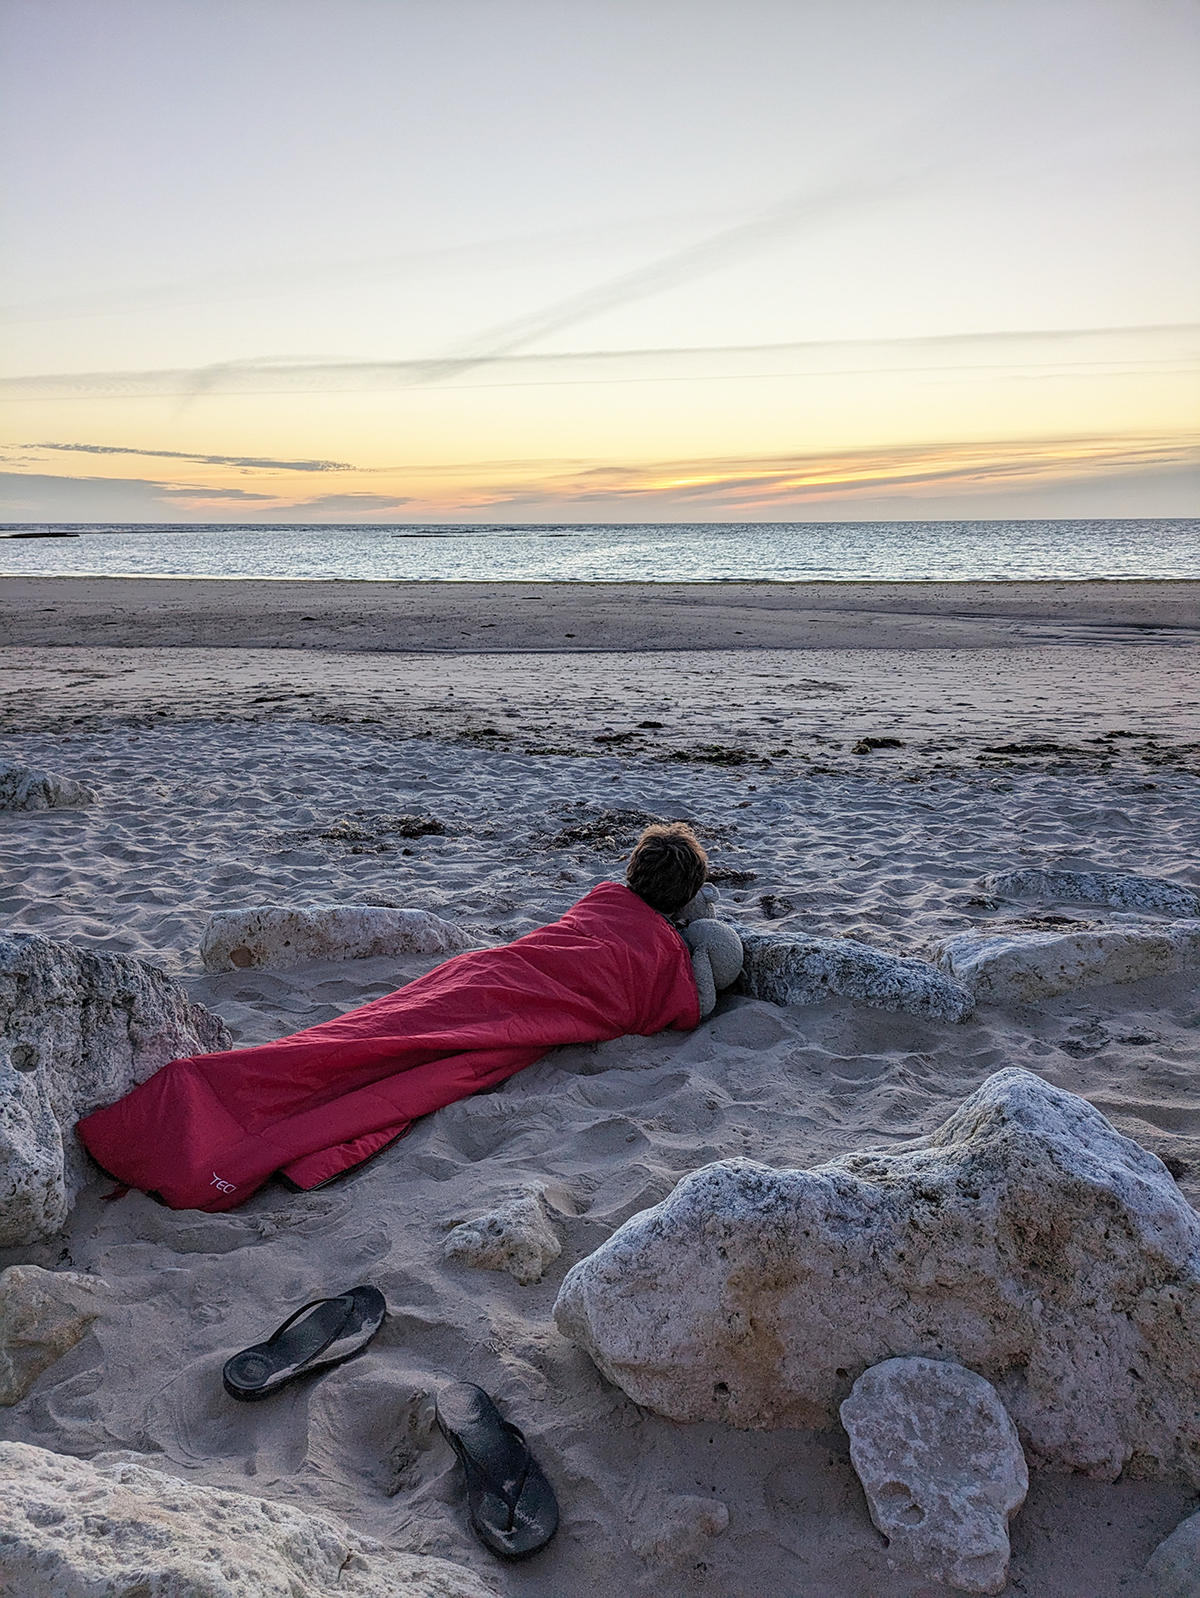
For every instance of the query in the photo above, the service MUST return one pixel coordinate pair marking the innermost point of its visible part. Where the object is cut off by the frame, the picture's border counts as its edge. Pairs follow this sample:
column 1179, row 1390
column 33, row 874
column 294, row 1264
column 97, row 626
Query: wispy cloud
column 885, row 167
column 753, row 484
column 1156, row 346
column 186, row 491
column 291, row 278
column 37, row 496
column 255, row 462
column 108, row 499
column 888, row 480
column 326, row 505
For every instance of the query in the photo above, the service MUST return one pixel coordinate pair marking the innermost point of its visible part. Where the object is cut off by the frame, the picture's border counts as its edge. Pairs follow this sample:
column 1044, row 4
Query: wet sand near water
column 565, row 617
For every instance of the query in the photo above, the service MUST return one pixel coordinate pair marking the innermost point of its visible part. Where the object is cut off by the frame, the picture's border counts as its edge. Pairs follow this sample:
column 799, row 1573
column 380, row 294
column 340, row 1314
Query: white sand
column 198, row 813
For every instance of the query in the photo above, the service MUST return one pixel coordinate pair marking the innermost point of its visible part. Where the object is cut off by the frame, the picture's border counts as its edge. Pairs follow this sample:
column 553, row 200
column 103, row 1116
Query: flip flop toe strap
column 334, row 1298
column 255, row 1370
column 506, row 1492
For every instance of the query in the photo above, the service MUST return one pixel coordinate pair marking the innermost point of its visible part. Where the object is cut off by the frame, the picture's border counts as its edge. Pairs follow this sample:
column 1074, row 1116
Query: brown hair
column 667, row 867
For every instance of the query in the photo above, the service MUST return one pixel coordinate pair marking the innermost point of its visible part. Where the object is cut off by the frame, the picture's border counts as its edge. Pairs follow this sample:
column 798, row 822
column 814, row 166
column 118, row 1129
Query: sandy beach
column 247, row 743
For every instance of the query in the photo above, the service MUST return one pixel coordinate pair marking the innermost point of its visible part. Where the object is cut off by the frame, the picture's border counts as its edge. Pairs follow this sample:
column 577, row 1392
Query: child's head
column 667, row 867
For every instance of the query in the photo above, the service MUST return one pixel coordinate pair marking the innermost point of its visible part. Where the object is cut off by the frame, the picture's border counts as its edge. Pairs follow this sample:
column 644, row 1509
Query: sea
column 583, row 552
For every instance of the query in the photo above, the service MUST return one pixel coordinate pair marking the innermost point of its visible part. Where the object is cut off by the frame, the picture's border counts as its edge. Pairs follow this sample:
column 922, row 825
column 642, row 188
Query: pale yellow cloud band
column 734, row 487
column 751, row 482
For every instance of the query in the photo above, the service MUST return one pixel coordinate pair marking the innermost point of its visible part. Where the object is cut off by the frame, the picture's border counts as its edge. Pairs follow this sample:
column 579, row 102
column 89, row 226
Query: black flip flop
column 317, row 1336
column 513, row 1509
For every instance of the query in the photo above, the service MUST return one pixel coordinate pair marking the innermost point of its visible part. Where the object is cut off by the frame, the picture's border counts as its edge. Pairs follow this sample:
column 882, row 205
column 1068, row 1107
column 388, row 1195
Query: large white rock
column 77, row 1030
column 1097, row 887
column 42, row 1315
column 1026, row 1239
column 791, row 970
column 516, row 1237
column 23, row 789
column 1023, row 967
column 72, row 1529
column 942, row 1468
column 236, row 940
column 1173, row 1569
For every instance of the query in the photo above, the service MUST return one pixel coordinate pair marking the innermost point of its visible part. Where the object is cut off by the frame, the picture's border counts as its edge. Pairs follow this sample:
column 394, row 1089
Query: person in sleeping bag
column 207, row 1131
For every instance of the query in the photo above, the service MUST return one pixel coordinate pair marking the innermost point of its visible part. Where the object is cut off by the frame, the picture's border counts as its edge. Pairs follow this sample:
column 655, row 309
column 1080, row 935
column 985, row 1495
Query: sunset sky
column 479, row 260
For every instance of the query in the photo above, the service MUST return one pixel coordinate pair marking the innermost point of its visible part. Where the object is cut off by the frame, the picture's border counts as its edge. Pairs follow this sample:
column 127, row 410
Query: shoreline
column 785, row 674
column 442, row 617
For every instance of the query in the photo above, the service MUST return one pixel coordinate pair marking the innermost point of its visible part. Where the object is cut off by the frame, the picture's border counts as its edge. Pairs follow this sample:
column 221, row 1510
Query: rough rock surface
column 74, row 1529
column 788, row 970
column 516, row 1237
column 237, row 940
column 1097, row 887
column 1173, row 1569
column 22, row 789
column 942, row 1468
column 1026, row 1239
column 42, row 1315
column 1023, row 967
column 77, row 1030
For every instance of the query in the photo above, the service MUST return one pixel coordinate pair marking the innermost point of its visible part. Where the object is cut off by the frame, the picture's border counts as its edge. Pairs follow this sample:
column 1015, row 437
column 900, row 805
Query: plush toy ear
column 711, row 892
column 694, row 909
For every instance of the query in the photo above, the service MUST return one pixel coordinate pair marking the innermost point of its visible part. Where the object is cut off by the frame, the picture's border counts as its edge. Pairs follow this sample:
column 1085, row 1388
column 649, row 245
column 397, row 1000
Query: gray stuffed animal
column 716, row 947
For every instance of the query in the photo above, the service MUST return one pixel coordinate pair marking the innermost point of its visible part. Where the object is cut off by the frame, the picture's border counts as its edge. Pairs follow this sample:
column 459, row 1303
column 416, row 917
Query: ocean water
column 650, row 552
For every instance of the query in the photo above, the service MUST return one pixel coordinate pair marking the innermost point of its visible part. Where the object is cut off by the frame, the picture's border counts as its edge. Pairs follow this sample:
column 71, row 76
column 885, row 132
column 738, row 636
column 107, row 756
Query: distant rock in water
column 1025, row 1239
column 45, row 532
column 78, row 1030
column 23, row 789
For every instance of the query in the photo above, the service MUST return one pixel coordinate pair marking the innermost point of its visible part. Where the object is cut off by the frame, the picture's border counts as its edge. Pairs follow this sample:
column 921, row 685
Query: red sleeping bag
column 206, row 1132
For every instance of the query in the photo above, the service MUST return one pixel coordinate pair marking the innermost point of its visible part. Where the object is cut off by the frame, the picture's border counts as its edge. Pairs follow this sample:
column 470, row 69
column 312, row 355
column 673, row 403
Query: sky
column 481, row 260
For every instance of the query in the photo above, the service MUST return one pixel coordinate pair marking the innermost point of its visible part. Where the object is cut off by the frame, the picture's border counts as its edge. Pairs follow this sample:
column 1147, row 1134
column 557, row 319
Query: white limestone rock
column 942, row 1468
column 516, row 1237
column 23, row 789
column 1025, row 1239
column 277, row 938
column 77, row 1030
column 42, row 1315
column 1173, row 1569
column 1023, row 967
column 74, row 1529
column 1097, row 887
column 791, row 970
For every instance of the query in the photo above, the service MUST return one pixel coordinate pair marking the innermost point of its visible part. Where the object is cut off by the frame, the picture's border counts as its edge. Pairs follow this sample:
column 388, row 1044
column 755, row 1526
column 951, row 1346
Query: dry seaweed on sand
column 611, row 829
column 620, row 829
column 363, row 828
column 731, row 876
column 712, row 755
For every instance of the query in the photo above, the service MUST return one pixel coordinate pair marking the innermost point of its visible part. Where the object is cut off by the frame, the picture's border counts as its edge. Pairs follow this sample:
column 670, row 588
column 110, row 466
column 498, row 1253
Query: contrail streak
column 1171, row 344
column 203, row 460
